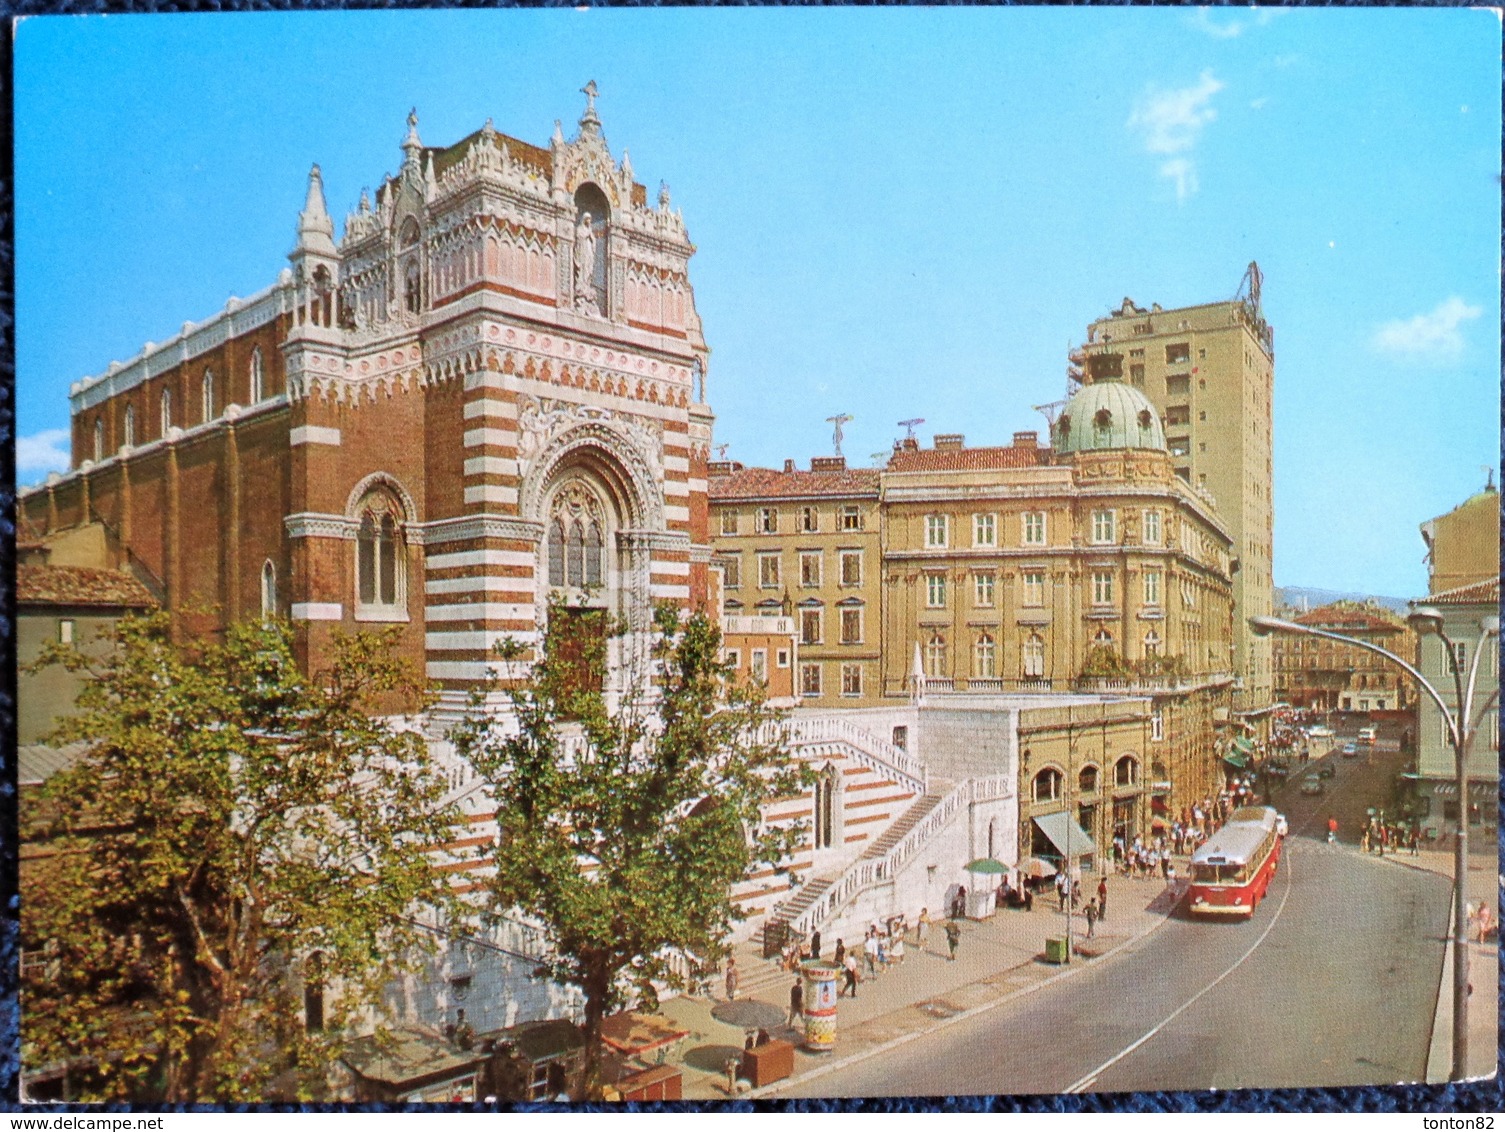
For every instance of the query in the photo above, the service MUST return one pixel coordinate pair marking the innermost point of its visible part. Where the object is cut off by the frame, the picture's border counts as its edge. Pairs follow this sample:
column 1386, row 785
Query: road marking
column 1091, row 1078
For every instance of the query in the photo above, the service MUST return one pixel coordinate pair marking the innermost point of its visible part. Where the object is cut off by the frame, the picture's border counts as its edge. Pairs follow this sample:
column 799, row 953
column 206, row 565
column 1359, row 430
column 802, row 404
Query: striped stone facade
column 501, row 349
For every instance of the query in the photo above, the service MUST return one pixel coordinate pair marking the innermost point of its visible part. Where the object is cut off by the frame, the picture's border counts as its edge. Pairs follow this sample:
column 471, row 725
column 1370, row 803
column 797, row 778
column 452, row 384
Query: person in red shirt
column 1332, row 830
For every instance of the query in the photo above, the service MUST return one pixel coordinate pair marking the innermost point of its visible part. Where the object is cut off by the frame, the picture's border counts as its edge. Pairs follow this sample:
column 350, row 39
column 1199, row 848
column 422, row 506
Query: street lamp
column 1425, row 620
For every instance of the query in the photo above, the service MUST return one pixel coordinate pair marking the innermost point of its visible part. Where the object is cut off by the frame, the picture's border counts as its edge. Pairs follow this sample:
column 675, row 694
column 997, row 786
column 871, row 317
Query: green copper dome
column 1108, row 414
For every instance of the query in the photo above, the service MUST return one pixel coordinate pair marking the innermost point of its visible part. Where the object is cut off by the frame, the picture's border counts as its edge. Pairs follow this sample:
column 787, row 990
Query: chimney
column 1026, row 440
column 950, row 442
column 909, row 444
column 789, row 465
column 828, row 464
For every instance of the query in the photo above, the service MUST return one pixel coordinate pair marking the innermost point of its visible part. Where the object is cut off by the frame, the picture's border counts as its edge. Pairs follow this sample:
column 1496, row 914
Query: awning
column 1243, row 746
column 1061, row 827
column 1234, row 759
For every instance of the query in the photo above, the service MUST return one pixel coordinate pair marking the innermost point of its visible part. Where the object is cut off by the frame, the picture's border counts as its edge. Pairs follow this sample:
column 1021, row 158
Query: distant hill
column 1305, row 597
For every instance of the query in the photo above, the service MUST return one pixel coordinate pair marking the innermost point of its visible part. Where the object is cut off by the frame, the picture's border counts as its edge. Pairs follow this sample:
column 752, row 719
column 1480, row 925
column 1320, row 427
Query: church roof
column 766, row 483
column 1108, row 414
column 966, row 459
column 80, row 585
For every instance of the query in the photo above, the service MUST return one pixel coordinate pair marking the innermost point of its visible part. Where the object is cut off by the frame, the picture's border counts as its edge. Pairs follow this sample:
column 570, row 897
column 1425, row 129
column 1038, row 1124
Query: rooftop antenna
column 1052, row 410
column 838, row 420
column 1489, row 472
column 908, row 426
column 721, row 451
column 1249, row 287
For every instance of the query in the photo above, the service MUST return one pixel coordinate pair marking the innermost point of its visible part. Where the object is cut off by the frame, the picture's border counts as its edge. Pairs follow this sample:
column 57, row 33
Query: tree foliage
column 233, row 828
column 622, row 830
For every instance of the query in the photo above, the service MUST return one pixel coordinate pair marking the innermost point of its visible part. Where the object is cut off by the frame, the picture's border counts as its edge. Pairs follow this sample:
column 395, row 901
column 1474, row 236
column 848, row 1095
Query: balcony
column 743, row 626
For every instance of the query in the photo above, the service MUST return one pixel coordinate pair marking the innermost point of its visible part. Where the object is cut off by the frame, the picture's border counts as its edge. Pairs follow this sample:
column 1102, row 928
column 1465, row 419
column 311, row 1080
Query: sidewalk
column 998, row 959
column 1484, row 968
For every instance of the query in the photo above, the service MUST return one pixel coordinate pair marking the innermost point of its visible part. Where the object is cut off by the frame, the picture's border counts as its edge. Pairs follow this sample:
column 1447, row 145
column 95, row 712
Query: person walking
column 1062, row 887
column 1102, row 899
column 896, row 949
column 1091, row 917
column 796, row 1003
column 922, row 928
column 732, row 978
column 850, row 967
column 841, row 952
column 1332, row 829
column 815, row 944
column 953, row 939
column 870, row 952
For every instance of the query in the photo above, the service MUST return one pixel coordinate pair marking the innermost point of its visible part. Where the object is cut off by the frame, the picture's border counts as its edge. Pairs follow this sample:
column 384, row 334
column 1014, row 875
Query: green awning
column 1243, row 746
column 1061, row 829
column 1234, row 759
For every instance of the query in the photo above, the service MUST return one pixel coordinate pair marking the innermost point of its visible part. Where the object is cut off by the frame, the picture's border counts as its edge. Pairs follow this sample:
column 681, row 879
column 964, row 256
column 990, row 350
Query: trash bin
column 1055, row 949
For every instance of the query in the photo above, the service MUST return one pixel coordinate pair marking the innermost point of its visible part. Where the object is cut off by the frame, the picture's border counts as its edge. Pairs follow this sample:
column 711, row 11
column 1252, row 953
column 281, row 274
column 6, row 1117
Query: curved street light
column 1425, row 620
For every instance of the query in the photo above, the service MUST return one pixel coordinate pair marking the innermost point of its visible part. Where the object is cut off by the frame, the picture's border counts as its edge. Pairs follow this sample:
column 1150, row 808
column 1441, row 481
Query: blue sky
column 899, row 213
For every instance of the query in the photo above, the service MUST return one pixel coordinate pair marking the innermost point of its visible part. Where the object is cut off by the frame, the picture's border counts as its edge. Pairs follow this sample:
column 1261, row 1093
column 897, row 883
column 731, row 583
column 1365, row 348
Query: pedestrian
column 953, row 938
column 1091, row 917
column 1102, row 899
column 796, row 1003
column 1062, row 887
column 896, row 949
column 870, row 952
column 732, row 1068
column 1165, row 866
column 841, row 952
column 959, row 905
column 1486, row 922
column 850, row 967
column 883, row 956
column 922, row 928
column 815, row 944
column 1076, row 894
column 1332, row 829
column 1364, row 840
column 732, row 977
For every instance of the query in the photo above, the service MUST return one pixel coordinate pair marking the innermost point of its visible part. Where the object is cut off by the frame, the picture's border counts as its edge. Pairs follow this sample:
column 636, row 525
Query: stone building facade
column 1328, row 676
column 491, row 390
column 1209, row 371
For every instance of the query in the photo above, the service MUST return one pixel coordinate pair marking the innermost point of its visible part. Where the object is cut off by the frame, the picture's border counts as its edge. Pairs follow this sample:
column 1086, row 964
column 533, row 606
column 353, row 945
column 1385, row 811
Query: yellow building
column 1311, row 672
column 1463, row 546
column 1087, row 567
column 1209, row 371
column 805, row 545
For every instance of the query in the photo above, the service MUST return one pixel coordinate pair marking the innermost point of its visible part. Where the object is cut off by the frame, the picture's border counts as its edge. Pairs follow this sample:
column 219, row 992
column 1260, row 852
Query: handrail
column 862, row 746
column 864, row 872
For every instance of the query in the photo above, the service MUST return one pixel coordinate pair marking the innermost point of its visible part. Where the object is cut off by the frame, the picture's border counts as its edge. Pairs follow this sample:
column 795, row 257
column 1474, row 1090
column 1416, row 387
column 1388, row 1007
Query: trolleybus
column 1232, row 870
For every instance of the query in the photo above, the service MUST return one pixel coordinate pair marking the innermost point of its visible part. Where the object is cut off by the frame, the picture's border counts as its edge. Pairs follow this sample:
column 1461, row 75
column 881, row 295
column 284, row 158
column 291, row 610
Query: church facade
column 491, row 388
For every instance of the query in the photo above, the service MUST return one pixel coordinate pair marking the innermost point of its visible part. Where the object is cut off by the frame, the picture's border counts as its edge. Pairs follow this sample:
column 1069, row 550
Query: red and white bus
column 1232, row 870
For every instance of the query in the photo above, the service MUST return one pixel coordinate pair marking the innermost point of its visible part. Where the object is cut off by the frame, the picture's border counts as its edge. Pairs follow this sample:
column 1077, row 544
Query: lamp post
column 1424, row 620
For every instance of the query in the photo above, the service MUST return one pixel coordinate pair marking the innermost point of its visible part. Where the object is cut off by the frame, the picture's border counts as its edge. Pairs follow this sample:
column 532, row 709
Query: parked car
column 1321, row 732
column 1312, row 785
column 1282, row 827
column 1349, row 750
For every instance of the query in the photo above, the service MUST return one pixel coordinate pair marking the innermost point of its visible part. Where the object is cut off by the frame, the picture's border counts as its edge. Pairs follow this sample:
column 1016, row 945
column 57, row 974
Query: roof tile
column 80, row 585
column 766, row 483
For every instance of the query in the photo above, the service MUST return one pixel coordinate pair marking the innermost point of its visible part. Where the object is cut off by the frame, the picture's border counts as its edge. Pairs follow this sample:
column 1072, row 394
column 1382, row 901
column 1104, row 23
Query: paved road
column 1333, row 982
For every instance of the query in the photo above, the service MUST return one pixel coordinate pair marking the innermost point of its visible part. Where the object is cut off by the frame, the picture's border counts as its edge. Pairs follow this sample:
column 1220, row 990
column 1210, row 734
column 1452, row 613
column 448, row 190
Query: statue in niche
column 585, row 263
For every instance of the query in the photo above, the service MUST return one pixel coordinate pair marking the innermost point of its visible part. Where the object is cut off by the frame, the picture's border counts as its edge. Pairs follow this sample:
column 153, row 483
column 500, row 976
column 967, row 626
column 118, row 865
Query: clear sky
column 899, row 213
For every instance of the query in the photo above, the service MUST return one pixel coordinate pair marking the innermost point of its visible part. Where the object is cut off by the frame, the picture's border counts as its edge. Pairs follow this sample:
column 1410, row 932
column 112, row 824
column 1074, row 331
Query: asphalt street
column 1333, row 982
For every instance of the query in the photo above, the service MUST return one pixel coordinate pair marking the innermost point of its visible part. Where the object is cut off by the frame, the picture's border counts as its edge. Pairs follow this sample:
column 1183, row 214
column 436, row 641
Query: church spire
column 590, row 124
column 412, row 145
column 315, row 229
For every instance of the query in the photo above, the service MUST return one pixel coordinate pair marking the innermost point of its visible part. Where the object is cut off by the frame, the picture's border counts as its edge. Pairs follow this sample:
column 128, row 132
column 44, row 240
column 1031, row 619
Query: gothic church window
column 99, row 438
column 166, row 411
column 206, row 397
column 268, row 589
column 576, row 543
column 381, row 582
column 827, row 807
column 257, row 390
column 130, row 426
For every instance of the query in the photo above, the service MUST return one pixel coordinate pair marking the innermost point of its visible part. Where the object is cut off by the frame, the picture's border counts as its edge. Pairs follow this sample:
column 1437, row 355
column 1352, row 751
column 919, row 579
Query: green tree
column 235, row 833
column 622, row 831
